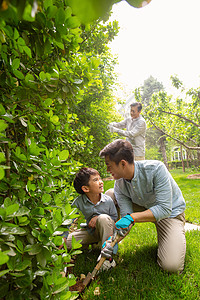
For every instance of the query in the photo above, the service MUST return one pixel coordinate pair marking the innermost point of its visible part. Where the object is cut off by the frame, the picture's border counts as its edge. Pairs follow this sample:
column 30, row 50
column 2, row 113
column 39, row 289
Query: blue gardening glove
column 107, row 249
column 123, row 225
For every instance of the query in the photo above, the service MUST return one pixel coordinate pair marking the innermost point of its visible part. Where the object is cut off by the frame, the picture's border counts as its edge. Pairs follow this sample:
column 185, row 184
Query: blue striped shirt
column 151, row 187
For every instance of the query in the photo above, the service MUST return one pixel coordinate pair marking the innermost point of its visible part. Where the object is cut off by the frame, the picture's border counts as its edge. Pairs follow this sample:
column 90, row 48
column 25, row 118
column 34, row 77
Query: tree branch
column 182, row 117
column 177, row 140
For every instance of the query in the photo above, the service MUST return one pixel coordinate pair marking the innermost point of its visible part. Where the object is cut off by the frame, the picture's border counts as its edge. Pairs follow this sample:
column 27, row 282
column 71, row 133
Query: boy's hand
column 122, row 227
column 92, row 223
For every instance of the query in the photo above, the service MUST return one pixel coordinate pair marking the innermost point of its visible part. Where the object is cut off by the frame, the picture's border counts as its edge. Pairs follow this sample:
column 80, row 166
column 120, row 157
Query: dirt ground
column 194, row 176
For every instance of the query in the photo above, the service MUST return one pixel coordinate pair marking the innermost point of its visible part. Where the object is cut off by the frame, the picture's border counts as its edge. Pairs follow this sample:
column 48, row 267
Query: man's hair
column 138, row 104
column 82, row 178
column 118, row 150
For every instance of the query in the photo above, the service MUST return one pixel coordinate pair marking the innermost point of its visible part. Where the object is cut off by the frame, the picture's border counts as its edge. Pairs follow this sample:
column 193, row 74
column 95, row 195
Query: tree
column 45, row 70
column 151, row 86
column 47, row 65
column 177, row 118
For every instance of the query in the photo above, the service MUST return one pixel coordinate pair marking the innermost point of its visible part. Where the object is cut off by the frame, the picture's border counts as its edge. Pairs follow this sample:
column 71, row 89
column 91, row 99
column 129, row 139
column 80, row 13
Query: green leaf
column 41, row 259
column 90, row 10
column 4, row 272
column 16, row 34
column 2, row 213
column 2, row 157
column 17, row 274
column 41, row 273
column 26, row 280
column 22, row 211
column 29, row 78
column 7, row 202
column 12, row 230
column 33, row 249
column 2, row 110
column 12, row 208
column 68, row 12
column 18, row 74
column 76, row 252
column 3, row 258
column 62, row 288
column 63, row 155
column 60, row 16
column 59, row 44
column 58, row 240
column 72, row 22
column 34, row 149
column 46, row 198
column 48, row 3
column 27, row 50
column 27, row 16
column 51, row 11
column 20, row 245
column 2, row 173
column 15, row 63
column 21, row 41
column 3, row 125
column 54, row 119
column 22, row 265
column 75, row 244
column 48, row 102
column 47, row 47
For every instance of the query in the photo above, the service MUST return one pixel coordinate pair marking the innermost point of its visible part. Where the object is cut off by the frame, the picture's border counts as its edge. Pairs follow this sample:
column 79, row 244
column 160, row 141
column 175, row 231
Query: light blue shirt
column 90, row 210
column 151, row 187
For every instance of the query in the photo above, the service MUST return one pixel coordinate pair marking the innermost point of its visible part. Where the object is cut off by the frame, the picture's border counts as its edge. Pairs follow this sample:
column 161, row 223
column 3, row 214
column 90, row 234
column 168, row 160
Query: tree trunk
column 183, row 165
column 163, row 150
column 187, row 159
column 198, row 157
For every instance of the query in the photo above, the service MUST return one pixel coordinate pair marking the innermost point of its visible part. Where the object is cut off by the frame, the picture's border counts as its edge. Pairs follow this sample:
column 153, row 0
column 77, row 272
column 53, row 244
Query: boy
column 98, row 209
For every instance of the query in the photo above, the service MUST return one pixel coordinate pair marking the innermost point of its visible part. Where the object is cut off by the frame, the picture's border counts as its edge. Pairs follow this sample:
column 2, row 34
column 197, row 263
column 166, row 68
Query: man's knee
column 111, row 194
column 171, row 265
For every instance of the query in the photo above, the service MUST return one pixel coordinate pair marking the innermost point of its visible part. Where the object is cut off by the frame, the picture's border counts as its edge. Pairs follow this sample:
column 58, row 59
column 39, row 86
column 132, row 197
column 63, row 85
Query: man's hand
column 117, row 130
column 110, row 127
column 123, row 226
column 107, row 249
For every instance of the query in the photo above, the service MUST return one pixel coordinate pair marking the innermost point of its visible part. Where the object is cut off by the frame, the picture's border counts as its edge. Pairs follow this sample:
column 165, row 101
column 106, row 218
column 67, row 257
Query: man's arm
column 124, row 202
column 144, row 216
column 113, row 211
column 139, row 129
column 121, row 124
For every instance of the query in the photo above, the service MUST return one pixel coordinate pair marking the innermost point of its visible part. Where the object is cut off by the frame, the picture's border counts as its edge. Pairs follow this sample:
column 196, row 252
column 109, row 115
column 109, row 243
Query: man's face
column 95, row 184
column 115, row 170
column 134, row 112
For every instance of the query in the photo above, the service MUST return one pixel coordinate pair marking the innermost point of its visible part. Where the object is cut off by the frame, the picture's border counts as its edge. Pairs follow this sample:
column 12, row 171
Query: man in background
column 135, row 130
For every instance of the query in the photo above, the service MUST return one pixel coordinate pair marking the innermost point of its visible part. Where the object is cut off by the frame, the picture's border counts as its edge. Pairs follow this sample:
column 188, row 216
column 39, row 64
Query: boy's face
column 95, row 184
column 115, row 170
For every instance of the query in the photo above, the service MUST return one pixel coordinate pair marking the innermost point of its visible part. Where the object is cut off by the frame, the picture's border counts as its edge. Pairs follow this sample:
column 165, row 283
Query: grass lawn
column 137, row 275
column 191, row 192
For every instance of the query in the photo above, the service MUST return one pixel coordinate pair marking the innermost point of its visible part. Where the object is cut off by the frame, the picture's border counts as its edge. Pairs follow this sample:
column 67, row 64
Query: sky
column 160, row 39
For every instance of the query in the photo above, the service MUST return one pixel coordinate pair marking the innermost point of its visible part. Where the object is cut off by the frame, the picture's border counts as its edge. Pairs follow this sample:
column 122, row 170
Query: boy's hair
column 82, row 178
column 118, row 150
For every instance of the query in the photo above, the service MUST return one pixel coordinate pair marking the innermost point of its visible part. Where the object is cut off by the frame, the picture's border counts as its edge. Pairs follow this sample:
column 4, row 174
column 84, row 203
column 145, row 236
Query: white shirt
column 134, row 133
